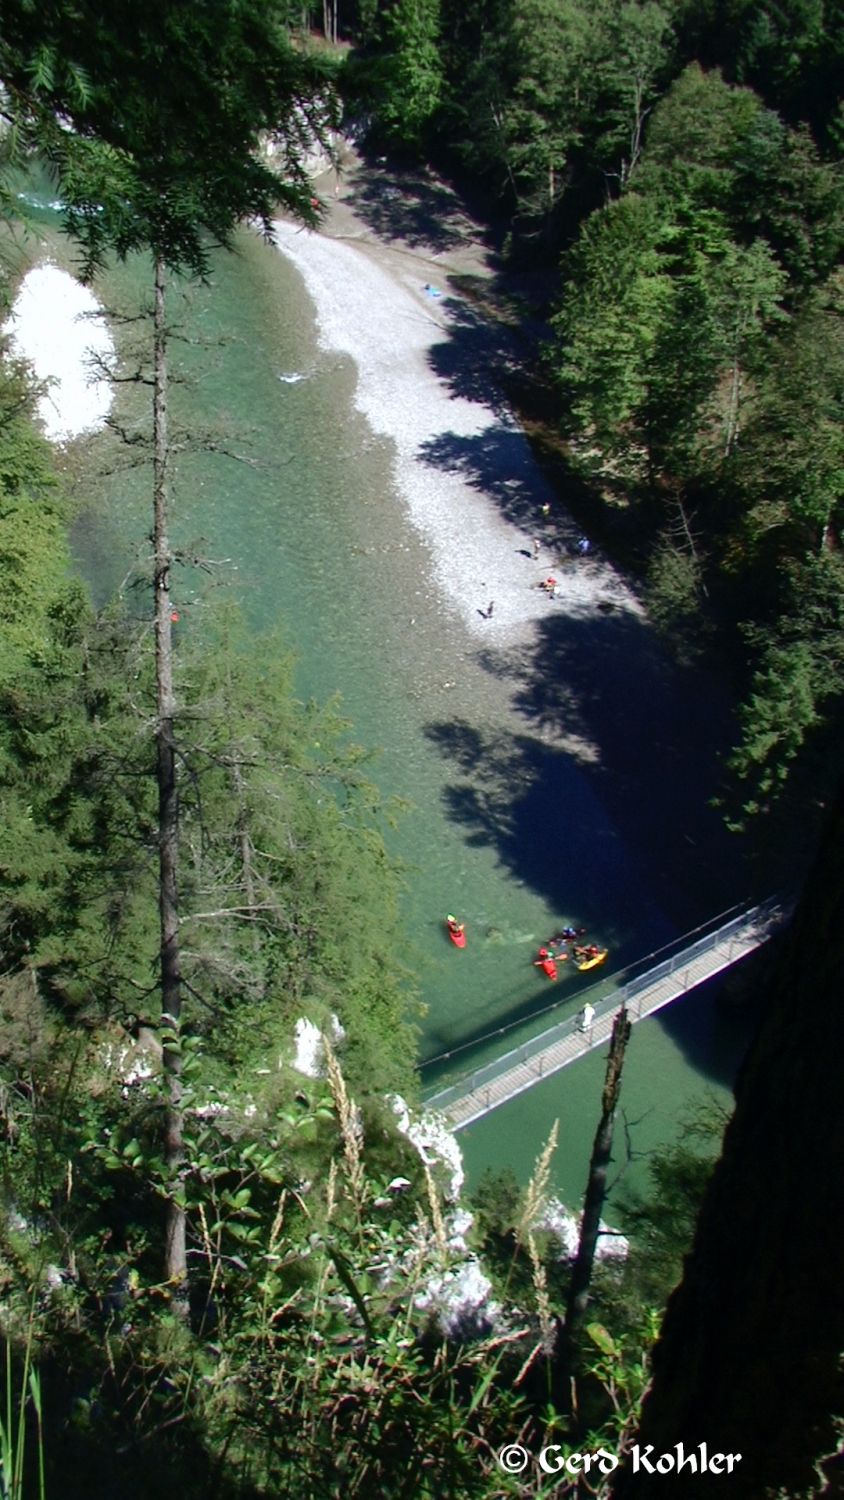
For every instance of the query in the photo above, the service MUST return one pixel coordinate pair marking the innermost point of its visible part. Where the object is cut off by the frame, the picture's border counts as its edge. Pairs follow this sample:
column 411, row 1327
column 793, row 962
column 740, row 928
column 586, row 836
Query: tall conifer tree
column 169, row 106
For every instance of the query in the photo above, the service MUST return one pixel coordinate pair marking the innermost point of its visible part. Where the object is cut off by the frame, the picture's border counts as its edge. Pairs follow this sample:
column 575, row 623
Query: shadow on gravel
column 477, row 356
column 497, row 462
column 410, row 204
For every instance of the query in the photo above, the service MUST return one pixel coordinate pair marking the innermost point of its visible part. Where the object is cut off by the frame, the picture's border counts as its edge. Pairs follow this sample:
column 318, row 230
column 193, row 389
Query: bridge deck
column 564, row 1043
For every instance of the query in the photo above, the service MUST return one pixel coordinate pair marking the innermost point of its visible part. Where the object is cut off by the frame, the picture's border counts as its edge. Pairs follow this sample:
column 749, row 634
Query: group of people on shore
column 581, row 548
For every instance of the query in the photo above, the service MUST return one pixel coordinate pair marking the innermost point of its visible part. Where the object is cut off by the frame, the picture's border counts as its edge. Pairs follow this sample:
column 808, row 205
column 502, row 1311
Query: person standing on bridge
column 586, row 1017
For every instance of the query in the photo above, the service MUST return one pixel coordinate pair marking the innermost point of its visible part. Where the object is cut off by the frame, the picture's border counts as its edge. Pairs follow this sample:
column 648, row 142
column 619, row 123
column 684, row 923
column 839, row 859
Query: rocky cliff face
column 749, row 1360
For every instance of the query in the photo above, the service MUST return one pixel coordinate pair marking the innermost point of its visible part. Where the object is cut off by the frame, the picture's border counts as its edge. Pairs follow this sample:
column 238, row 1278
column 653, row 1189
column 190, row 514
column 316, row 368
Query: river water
column 499, row 823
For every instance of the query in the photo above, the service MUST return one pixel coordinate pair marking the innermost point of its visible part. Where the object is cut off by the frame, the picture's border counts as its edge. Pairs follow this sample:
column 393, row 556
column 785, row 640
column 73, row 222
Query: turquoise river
column 500, row 824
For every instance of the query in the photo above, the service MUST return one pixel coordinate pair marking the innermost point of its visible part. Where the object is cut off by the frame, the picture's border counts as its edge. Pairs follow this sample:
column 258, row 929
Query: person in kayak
column 589, row 950
column 546, row 963
column 455, row 927
column 567, row 935
column 556, row 950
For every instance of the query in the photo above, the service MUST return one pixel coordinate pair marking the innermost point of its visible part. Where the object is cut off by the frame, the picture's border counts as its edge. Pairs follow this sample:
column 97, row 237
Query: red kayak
column 546, row 963
column 456, row 932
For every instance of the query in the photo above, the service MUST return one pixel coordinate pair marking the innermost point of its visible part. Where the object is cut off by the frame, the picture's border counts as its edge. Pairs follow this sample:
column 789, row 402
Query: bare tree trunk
column 640, row 114
column 175, row 1256
column 687, row 530
column 596, row 1187
column 245, row 845
column 731, row 425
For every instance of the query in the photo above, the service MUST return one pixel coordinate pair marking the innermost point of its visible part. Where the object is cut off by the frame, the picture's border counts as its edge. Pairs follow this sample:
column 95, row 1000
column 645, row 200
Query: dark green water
column 500, row 825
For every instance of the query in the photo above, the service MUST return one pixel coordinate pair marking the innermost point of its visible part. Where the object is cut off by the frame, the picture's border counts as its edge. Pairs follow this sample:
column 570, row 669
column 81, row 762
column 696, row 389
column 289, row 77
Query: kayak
column 457, row 935
column 547, row 963
column 592, row 963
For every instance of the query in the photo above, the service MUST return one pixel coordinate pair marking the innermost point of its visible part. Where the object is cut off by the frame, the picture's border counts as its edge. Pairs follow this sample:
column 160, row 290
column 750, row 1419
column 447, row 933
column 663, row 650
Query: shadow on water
column 601, row 805
column 619, row 755
column 710, row 1029
column 652, row 735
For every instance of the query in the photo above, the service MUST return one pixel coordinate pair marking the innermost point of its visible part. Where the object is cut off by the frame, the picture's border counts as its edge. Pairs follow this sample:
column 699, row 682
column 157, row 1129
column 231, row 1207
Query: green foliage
column 674, row 593
column 694, row 138
column 477, row 59
column 799, row 670
column 289, row 900
column 790, row 462
column 661, row 1220
column 33, row 555
column 669, row 300
column 77, row 810
column 609, row 323
column 407, row 80
column 620, row 1366
column 528, row 93
column 69, row 789
column 784, row 192
column 632, row 47
column 281, row 845
column 310, row 1365
column 541, row 123
column 790, row 53
column 13, row 1426
column 169, row 108
column 498, row 1204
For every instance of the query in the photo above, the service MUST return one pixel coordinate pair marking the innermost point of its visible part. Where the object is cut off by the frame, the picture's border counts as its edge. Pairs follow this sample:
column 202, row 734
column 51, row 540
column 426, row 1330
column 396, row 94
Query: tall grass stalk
column 13, row 1426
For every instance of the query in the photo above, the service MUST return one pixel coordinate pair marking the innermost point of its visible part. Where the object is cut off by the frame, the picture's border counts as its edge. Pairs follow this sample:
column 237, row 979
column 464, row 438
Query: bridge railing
column 608, row 995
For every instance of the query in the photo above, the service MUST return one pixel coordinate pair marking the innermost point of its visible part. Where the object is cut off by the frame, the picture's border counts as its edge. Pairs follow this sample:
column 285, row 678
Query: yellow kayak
column 594, row 961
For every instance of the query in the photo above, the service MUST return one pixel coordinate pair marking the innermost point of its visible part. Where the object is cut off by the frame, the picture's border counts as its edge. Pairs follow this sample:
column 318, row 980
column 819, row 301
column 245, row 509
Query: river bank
column 427, row 383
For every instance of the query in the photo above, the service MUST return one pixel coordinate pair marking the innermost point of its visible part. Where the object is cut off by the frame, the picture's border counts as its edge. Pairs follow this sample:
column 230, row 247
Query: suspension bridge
column 690, row 963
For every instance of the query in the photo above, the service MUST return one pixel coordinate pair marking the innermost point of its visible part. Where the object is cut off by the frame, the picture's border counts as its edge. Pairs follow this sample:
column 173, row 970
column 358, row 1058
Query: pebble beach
column 393, row 312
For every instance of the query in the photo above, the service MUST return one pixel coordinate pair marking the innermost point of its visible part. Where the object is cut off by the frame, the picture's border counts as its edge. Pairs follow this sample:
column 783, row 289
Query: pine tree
column 168, row 108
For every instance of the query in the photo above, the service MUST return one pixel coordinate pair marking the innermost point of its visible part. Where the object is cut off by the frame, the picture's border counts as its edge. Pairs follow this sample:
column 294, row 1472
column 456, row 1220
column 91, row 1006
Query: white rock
column 564, row 1227
column 433, row 1140
column 459, row 1301
column 309, row 1058
column 398, row 1184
